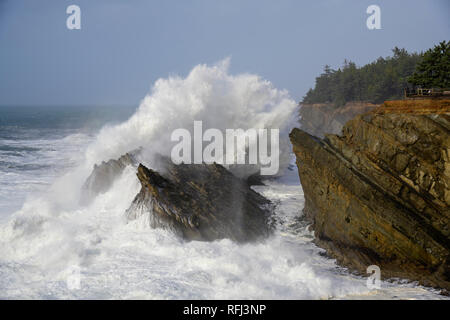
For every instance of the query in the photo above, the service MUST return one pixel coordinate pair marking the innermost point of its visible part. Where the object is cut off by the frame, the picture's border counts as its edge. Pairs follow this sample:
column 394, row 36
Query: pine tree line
column 383, row 79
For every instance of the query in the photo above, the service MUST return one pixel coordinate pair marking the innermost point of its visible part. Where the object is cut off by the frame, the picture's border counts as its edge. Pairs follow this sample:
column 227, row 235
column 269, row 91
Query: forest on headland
column 383, row 79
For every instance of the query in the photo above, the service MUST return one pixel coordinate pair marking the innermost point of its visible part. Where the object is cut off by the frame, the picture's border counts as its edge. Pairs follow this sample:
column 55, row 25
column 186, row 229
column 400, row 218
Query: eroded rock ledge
column 380, row 192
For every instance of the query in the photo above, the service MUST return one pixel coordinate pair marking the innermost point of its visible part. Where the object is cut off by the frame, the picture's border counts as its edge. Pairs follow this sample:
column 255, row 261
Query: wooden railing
column 425, row 92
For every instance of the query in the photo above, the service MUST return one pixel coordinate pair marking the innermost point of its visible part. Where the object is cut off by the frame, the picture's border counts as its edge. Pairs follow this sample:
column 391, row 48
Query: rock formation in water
column 104, row 175
column 201, row 202
column 196, row 201
column 320, row 118
column 379, row 193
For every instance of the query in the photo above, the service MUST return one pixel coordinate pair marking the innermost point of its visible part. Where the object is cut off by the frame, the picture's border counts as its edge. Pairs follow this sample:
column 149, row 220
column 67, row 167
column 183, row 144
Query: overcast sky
column 124, row 46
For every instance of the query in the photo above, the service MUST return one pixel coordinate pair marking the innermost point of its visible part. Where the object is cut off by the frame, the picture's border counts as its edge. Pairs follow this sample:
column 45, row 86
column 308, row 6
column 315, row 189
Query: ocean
column 38, row 143
column 52, row 247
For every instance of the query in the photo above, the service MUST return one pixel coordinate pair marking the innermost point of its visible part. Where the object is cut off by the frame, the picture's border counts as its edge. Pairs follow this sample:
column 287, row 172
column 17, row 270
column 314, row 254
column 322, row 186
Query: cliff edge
column 379, row 193
column 320, row 118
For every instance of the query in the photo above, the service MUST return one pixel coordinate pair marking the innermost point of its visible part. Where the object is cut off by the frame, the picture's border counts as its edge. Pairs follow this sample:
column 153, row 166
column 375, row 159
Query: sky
column 124, row 46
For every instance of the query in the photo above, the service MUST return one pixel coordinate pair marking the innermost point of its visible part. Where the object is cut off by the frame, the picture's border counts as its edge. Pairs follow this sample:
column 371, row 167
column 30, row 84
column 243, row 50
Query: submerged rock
column 380, row 193
column 201, row 202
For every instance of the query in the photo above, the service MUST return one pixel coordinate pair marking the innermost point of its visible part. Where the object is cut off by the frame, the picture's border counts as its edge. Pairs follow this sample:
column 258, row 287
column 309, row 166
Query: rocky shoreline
column 379, row 193
column 203, row 202
column 375, row 194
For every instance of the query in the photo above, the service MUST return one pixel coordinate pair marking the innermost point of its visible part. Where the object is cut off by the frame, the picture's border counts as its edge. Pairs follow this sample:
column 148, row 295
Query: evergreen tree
column 434, row 69
column 375, row 82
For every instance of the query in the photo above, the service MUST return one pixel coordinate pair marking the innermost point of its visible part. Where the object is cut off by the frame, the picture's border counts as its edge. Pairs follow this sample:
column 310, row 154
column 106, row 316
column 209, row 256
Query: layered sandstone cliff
column 379, row 193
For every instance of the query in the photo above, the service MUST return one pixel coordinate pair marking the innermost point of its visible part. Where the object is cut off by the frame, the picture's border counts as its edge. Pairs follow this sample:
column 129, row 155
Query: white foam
column 128, row 261
column 34, row 171
column 209, row 94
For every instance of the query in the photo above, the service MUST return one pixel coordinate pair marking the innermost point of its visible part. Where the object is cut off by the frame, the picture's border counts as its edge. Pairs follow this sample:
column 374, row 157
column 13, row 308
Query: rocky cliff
column 320, row 118
column 379, row 193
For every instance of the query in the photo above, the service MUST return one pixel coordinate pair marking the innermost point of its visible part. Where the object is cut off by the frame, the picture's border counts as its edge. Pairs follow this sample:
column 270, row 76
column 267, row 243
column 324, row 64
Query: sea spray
column 208, row 94
column 46, row 229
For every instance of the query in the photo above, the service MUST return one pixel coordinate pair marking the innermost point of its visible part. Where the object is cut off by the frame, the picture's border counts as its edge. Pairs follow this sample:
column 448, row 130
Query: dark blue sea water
column 39, row 142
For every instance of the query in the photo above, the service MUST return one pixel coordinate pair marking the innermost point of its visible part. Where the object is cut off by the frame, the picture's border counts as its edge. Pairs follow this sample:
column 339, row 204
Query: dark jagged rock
column 104, row 175
column 201, row 202
column 380, row 193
